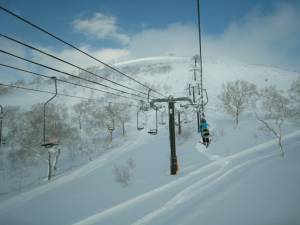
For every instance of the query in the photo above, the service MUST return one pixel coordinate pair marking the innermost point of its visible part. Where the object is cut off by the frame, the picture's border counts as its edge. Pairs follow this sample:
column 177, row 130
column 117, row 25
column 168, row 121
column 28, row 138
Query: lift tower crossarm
column 180, row 99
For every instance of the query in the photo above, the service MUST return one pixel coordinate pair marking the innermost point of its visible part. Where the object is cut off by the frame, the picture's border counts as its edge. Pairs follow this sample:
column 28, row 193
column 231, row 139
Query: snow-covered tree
column 274, row 112
column 122, row 112
column 122, row 175
column 28, row 134
column 101, row 115
column 109, row 119
column 82, row 111
column 236, row 97
column 294, row 94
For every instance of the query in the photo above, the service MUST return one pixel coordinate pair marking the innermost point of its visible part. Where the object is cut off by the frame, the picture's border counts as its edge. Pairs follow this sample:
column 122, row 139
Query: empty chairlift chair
column 139, row 125
column 153, row 131
column 49, row 142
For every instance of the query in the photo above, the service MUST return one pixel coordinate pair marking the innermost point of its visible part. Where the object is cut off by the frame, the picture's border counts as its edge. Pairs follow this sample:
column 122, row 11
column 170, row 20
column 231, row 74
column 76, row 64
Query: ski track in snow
column 206, row 153
column 223, row 167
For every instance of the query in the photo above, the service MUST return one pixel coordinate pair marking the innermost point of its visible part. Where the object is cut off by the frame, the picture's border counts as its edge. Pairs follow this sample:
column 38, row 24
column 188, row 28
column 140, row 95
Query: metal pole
column 198, row 122
column 195, row 66
column 44, row 125
column 179, row 123
column 173, row 158
column 137, row 120
column 200, row 55
column 171, row 106
column 156, row 123
column 194, row 94
column 149, row 94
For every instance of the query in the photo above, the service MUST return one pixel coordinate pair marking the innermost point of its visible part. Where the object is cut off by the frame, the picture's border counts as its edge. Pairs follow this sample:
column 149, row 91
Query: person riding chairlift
column 204, row 132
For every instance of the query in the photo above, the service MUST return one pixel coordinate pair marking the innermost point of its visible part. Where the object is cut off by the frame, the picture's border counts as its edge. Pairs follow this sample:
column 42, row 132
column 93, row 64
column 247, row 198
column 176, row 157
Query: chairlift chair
column 162, row 123
column 162, row 118
column 52, row 141
column 186, row 116
column 144, row 106
column 153, row 131
column 138, row 125
column 205, row 134
column 111, row 128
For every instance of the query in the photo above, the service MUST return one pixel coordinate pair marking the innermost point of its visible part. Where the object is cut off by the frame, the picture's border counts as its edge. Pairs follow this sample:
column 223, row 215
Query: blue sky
column 116, row 29
column 133, row 15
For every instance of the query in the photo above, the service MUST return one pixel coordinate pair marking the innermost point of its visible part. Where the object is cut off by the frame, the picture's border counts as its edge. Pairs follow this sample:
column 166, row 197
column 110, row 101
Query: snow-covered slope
column 207, row 183
column 239, row 179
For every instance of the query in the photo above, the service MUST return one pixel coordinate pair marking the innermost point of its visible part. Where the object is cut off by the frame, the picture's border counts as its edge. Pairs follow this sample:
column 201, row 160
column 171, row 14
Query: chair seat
column 153, row 132
column 49, row 144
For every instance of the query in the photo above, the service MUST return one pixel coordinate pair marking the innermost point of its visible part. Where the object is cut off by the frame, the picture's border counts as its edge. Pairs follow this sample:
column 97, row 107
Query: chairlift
column 111, row 128
column 138, row 125
column 205, row 134
column 111, row 125
column 144, row 106
column 184, row 106
column 162, row 116
column 206, row 95
column 185, row 119
column 206, row 137
column 52, row 141
column 153, row 131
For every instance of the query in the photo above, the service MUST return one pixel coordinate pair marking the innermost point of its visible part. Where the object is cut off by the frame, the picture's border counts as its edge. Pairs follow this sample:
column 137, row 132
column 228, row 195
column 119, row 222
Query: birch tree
column 236, row 97
column 294, row 94
column 56, row 128
column 275, row 111
column 122, row 115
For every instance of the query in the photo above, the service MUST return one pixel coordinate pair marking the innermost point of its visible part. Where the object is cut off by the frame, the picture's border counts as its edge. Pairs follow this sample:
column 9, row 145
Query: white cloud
column 107, row 55
column 270, row 39
column 266, row 39
column 101, row 26
column 178, row 39
column 8, row 75
column 8, row 46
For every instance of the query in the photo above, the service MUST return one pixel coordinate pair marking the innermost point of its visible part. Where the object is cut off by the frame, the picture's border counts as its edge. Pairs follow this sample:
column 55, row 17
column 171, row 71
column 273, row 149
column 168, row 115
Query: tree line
column 86, row 129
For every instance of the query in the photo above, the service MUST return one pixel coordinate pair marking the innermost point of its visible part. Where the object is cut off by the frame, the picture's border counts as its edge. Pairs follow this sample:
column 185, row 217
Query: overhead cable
column 50, row 92
column 64, row 81
column 66, row 62
column 74, row 47
column 69, row 74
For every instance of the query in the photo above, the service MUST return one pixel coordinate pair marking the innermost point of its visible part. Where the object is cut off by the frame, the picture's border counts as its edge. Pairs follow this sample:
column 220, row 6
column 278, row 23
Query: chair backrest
column 53, row 140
